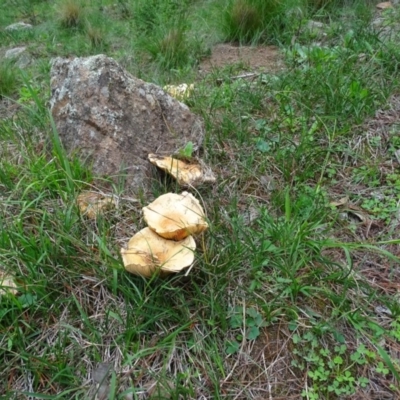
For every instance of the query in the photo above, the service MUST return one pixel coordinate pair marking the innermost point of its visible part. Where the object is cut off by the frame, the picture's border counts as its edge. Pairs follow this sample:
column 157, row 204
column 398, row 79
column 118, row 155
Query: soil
column 254, row 59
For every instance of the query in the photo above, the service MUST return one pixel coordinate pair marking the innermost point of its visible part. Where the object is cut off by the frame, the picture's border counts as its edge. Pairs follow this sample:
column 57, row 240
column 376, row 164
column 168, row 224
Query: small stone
column 18, row 26
column 267, row 182
column 315, row 28
column 383, row 310
column 343, row 216
column 15, row 52
column 385, row 5
column 315, row 25
column 100, row 375
column 23, row 61
column 101, row 372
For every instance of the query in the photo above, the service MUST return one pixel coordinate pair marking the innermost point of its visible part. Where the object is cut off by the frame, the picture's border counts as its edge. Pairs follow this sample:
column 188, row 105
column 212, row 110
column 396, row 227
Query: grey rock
column 15, row 52
column 100, row 377
column 315, row 25
column 18, row 26
column 316, row 28
column 101, row 373
column 115, row 120
column 20, row 55
column 23, row 61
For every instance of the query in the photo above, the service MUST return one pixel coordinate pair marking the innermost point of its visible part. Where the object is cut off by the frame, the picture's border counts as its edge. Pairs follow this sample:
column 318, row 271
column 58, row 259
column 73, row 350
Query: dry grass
column 96, row 36
column 71, row 13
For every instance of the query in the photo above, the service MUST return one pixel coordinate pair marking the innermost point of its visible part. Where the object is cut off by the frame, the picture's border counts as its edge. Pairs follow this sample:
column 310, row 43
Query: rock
column 19, row 53
column 18, row 26
column 385, row 5
column 115, row 120
column 23, row 61
column 15, row 52
column 315, row 25
column 316, row 28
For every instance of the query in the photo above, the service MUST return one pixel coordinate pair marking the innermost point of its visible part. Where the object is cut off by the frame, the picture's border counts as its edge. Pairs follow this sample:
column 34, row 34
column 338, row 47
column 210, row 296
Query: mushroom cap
column 148, row 253
column 91, row 204
column 186, row 174
column 180, row 92
column 7, row 284
column 175, row 216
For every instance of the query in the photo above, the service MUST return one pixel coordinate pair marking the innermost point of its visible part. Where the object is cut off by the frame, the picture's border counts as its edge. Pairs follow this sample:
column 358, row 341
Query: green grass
column 252, row 21
column 8, row 78
column 290, row 294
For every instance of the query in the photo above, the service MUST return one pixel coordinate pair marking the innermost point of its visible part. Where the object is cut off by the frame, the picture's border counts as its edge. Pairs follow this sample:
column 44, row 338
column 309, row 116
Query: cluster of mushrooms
column 167, row 245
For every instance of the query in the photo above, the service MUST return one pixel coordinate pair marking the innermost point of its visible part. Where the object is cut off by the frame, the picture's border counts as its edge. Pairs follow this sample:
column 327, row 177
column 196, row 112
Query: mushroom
column 149, row 253
column 7, row 284
column 180, row 92
column 186, row 174
column 175, row 216
column 92, row 204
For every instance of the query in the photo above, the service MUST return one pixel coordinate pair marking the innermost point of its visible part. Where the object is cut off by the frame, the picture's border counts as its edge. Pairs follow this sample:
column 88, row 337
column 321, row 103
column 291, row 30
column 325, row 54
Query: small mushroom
column 186, row 174
column 7, row 284
column 180, row 92
column 149, row 253
column 175, row 216
column 91, row 204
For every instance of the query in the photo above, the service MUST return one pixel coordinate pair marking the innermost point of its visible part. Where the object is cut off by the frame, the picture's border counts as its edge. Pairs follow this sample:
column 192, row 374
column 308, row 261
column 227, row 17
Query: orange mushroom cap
column 148, row 253
column 175, row 216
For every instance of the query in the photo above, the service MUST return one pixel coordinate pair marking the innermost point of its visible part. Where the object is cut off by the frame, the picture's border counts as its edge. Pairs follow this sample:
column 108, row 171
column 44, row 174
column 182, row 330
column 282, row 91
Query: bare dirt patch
column 255, row 59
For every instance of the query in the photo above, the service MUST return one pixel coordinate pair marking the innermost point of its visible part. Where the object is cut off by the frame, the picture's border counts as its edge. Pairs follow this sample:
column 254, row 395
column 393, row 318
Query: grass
column 70, row 13
column 96, row 37
column 253, row 21
column 271, row 21
column 293, row 293
column 8, row 78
